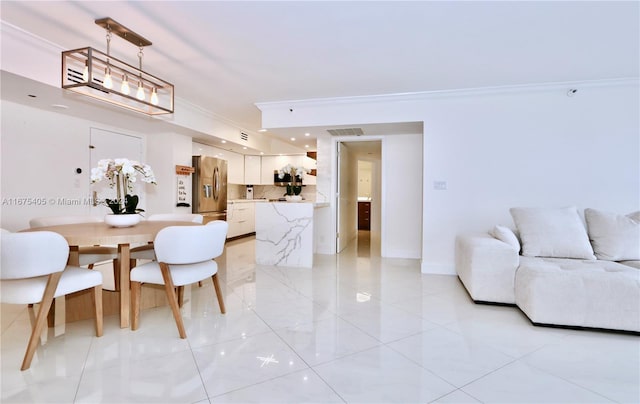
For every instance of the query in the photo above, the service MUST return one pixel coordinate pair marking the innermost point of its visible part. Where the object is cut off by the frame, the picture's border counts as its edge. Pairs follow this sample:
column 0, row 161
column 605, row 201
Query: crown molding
column 463, row 92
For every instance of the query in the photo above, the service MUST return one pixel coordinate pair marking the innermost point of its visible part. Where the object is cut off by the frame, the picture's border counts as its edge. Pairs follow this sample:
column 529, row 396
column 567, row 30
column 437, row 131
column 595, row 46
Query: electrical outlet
column 440, row 185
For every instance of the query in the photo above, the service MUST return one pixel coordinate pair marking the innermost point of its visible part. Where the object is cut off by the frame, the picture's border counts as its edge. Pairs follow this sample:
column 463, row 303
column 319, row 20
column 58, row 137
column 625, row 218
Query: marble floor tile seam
column 476, row 342
column 16, row 317
column 195, row 360
column 84, row 368
column 224, row 341
column 296, row 293
column 131, row 360
column 275, row 378
column 437, row 400
column 337, row 357
column 464, row 388
column 384, row 342
column 312, row 367
column 523, row 359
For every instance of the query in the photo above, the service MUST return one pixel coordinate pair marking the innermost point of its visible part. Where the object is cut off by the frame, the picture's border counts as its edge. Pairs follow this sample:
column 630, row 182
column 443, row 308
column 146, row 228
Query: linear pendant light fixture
column 96, row 74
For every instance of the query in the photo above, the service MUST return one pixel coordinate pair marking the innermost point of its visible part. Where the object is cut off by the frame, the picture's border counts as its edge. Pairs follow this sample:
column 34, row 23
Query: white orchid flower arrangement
column 293, row 171
column 294, row 188
column 121, row 173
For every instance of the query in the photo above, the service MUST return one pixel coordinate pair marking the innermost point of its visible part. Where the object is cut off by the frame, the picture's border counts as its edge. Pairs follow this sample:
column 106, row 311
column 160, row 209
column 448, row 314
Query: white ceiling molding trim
column 429, row 95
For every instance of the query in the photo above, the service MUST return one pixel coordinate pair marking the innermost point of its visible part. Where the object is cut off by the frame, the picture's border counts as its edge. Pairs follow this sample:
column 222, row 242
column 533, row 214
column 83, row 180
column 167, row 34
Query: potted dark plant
column 294, row 188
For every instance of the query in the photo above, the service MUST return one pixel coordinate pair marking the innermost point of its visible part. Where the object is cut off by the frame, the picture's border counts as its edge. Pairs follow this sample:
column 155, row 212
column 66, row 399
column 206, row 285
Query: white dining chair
column 87, row 255
column 146, row 252
column 185, row 255
column 34, row 270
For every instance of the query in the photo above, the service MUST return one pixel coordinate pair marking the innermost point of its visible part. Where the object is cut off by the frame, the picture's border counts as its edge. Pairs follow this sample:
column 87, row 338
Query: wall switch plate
column 440, row 185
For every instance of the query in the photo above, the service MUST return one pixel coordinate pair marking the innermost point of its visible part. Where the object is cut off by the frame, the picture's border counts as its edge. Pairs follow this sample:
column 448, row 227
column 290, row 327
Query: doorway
column 359, row 196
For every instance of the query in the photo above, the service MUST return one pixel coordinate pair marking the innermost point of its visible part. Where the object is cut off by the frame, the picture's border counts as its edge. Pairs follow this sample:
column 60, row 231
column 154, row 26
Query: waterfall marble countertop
column 284, row 234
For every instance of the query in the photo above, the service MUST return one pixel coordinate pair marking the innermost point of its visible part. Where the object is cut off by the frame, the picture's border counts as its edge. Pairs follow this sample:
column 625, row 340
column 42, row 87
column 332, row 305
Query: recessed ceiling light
column 306, row 145
column 244, row 147
column 307, row 134
column 224, row 141
column 293, row 139
column 261, row 152
column 59, row 106
column 262, row 130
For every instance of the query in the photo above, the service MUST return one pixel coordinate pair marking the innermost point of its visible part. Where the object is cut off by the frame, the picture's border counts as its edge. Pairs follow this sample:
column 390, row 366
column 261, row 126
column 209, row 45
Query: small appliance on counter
column 210, row 188
column 249, row 191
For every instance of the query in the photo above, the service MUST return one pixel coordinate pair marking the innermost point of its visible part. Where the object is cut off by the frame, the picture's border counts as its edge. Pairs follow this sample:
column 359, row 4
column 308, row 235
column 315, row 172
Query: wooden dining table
column 100, row 233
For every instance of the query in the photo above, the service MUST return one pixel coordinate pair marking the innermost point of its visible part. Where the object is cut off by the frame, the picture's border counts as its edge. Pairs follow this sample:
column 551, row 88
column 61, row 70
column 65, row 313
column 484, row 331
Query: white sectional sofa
column 556, row 270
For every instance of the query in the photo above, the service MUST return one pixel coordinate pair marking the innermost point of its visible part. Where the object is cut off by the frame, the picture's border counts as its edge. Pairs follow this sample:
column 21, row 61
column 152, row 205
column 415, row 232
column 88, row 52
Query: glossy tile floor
column 356, row 328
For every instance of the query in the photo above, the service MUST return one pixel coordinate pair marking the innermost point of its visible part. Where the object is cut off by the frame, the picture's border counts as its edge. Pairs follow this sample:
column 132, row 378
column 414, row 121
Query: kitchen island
column 285, row 233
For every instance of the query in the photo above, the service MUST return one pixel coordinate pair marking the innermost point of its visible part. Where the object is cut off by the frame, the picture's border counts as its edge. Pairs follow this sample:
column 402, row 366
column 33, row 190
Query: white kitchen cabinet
column 310, row 164
column 235, row 167
column 252, row 170
column 241, row 218
column 271, row 164
column 235, row 161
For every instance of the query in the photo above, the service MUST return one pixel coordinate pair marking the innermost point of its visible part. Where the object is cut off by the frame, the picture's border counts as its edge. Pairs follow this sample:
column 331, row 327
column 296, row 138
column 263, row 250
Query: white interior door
column 104, row 144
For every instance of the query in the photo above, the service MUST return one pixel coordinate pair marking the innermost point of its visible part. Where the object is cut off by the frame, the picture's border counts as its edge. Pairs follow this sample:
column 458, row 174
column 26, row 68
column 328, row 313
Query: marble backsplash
column 236, row 191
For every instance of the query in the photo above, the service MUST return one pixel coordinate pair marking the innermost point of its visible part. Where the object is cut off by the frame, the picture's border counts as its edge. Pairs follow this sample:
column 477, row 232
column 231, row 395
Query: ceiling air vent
column 244, row 136
column 346, row 132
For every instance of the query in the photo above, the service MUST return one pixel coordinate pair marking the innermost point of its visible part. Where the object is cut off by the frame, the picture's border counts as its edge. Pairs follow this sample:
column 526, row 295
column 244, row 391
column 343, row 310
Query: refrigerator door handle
column 216, row 183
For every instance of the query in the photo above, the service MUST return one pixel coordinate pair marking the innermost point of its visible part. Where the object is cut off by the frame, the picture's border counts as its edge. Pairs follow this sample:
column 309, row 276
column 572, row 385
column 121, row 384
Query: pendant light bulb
column 124, row 88
column 107, row 82
column 154, row 96
column 140, row 92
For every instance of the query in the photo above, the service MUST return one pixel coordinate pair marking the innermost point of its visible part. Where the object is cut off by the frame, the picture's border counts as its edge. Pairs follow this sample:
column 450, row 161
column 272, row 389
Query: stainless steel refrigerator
column 210, row 188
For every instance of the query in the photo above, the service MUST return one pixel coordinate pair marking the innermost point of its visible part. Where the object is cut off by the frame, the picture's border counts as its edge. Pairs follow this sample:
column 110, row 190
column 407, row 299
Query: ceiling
column 226, row 56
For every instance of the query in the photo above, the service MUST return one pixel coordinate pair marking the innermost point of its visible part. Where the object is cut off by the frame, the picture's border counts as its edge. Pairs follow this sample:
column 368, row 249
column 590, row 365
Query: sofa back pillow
column 614, row 237
column 552, row 232
column 506, row 235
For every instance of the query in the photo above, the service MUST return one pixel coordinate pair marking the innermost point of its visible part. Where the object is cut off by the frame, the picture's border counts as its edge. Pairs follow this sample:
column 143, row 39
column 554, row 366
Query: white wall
column 498, row 148
column 39, row 159
column 164, row 152
column 41, row 151
column 325, row 225
column 402, row 196
column 364, row 179
column 349, row 212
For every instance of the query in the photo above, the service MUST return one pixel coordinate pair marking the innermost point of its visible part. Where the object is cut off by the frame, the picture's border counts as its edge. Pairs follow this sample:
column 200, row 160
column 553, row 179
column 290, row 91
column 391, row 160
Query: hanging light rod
column 123, row 32
column 101, row 76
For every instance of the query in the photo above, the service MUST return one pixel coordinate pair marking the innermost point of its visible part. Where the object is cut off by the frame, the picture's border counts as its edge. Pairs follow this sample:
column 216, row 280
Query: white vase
column 125, row 220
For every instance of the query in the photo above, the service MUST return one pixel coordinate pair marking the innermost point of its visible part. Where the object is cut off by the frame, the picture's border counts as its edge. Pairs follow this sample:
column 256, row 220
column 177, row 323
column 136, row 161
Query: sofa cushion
column 584, row 293
column 506, row 235
column 552, row 232
column 614, row 237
